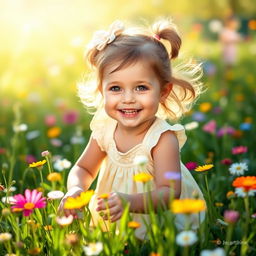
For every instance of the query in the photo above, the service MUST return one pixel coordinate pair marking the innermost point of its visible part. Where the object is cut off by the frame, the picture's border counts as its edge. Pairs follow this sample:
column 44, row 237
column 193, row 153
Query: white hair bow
column 101, row 38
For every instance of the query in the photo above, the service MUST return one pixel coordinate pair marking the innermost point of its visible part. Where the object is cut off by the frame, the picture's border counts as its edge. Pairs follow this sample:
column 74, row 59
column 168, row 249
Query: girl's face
column 131, row 95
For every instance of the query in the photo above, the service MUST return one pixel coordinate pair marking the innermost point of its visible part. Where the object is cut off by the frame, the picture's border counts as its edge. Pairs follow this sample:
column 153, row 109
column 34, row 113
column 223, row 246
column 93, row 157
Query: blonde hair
column 133, row 45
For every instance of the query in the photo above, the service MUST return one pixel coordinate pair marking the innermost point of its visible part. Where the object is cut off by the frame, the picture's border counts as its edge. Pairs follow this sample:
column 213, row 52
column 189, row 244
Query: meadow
column 43, row 122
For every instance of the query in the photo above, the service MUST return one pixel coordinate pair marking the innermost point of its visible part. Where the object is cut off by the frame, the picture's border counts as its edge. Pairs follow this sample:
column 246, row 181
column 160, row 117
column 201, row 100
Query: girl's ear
column 166, row 91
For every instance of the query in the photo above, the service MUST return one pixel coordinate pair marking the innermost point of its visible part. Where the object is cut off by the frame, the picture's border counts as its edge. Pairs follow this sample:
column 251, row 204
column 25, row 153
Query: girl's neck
column 127, row 138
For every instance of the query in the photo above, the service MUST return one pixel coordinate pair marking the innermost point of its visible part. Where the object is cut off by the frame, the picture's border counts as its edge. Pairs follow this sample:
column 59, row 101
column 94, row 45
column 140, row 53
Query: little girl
column 134, row 93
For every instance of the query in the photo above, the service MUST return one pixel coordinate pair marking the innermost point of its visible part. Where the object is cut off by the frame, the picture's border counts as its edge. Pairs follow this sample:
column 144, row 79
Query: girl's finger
column 115, row 210
column 116, row 217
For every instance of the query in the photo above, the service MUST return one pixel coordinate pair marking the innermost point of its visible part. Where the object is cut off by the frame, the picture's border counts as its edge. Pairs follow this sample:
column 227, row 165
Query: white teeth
column 129, row 111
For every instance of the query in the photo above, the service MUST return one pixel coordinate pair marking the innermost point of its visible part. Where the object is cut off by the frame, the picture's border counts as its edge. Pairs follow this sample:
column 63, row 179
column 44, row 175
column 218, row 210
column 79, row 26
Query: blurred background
column 41, row 62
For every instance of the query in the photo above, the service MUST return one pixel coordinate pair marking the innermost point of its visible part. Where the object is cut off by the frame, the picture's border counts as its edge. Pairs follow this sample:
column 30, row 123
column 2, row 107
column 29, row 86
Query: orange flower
column 247, row 183
column 230, row 194
column 53, row 132
column 133, row 224
column 154, row 254
column 54, row 176
column 205, row 107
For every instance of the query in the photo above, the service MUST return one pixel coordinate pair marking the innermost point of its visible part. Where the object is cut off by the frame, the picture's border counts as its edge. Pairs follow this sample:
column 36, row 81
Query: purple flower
column 231, row 216
column 70, row 117
column 172, row 175
column 198, row 116
column 30, row 159
column 225, row 130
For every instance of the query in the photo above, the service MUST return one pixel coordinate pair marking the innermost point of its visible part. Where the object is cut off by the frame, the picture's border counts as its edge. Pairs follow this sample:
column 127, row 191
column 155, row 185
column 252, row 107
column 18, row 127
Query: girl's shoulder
column 159, row 127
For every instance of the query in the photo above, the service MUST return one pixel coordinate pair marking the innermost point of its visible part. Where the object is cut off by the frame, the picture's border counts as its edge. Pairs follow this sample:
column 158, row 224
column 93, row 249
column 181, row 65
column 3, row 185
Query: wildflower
column 70, row 117
column 186, row 238
column 32, row 135
column 154, row 254
column 48, row 227
column 205, row 107
column 54, row 176
column 104, row 196
column 30, row 159
column 53, row 132
column 191, row 165
column 198, row 116
column 231, row 216
column 64, row 221
column 50, row 120
column 245, row 126
column 2, row 188
column 216, row 252
column 225, row 130
column 20, row 128
column 210, row 127
column 230, row 194
column 56, row 194
column 187, row 206
column 37, row 164
column 2, row 151
column 204, row 168
column 239, row 150
column 237, row 134
column 80, row 201
column 32, row 200
column 191, row 126
column 5, row 212
column 142, row 177
column 247, row 183
column 45, row 153
column 133, row 224
column 34, row 251
column 56, row 142
column 61, row 165
column 5, row 237
column 253, row 215
column 226, row 161
column 218, row 204
column 241, row 192
column 71, row 239
column 140, row 160
column 172, row 175
column 238, row 168
column 7, row 199
column 93, row 248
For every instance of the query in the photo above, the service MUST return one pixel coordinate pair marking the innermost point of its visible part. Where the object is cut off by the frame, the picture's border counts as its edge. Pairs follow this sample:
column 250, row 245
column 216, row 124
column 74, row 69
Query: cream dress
column 117, row 170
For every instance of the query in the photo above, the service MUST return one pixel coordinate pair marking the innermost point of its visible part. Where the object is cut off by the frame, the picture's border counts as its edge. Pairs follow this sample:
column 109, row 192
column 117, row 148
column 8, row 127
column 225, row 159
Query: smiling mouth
column 129, row 111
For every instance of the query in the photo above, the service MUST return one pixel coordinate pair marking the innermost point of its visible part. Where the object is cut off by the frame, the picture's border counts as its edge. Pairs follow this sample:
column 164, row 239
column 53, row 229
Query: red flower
column 191, row 165
column 226, row 161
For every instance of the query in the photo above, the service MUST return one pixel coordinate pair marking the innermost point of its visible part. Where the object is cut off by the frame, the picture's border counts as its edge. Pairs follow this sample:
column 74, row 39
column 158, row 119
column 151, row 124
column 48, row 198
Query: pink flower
column 30, row 159
column 231, row 216
column 226, row 161
column 239, row 150
column 70, row 117
column 191, row 165
column 50, row 120
column 210, row 127
column 32, row 199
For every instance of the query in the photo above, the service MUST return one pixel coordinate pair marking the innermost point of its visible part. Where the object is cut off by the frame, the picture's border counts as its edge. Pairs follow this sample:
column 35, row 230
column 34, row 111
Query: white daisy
column 93, row 248
column 191, row 126
column 64, row 221
column 5, row 237
column 62, row 164
column 241, row 193
column 238, row 168
column 186, row 238
column 216, row 252
column 56, row 194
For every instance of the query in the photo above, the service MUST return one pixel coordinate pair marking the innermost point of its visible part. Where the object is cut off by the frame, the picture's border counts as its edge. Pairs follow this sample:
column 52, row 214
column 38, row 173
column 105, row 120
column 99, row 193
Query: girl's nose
column 128, row 97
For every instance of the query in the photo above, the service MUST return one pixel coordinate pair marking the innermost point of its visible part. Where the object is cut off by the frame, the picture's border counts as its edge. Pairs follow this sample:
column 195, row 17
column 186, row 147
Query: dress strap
column 160, row 126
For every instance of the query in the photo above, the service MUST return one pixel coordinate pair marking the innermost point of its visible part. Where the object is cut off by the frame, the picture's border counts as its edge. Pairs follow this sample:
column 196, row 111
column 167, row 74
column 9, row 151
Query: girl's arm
column 83, row 172
column 166, row 159
column 86, row 168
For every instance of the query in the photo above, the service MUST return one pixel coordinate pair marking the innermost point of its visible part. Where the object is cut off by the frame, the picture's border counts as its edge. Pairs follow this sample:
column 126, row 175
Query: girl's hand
column 73, row 192
column 112, row 207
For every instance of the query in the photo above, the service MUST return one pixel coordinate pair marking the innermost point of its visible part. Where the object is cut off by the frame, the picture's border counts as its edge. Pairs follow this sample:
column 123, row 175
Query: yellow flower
column 134, row 224
column 203, row 168
column 104, row 196
column 230, row 194
column 34, row 251
column 142, row 177
column 218, row 204
column 37, row 164
column 79, row 201
column 205, row 107
column 239, row 97
column 53, row 132
column 187, row 206
column 48, row 227
column 54, row 176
